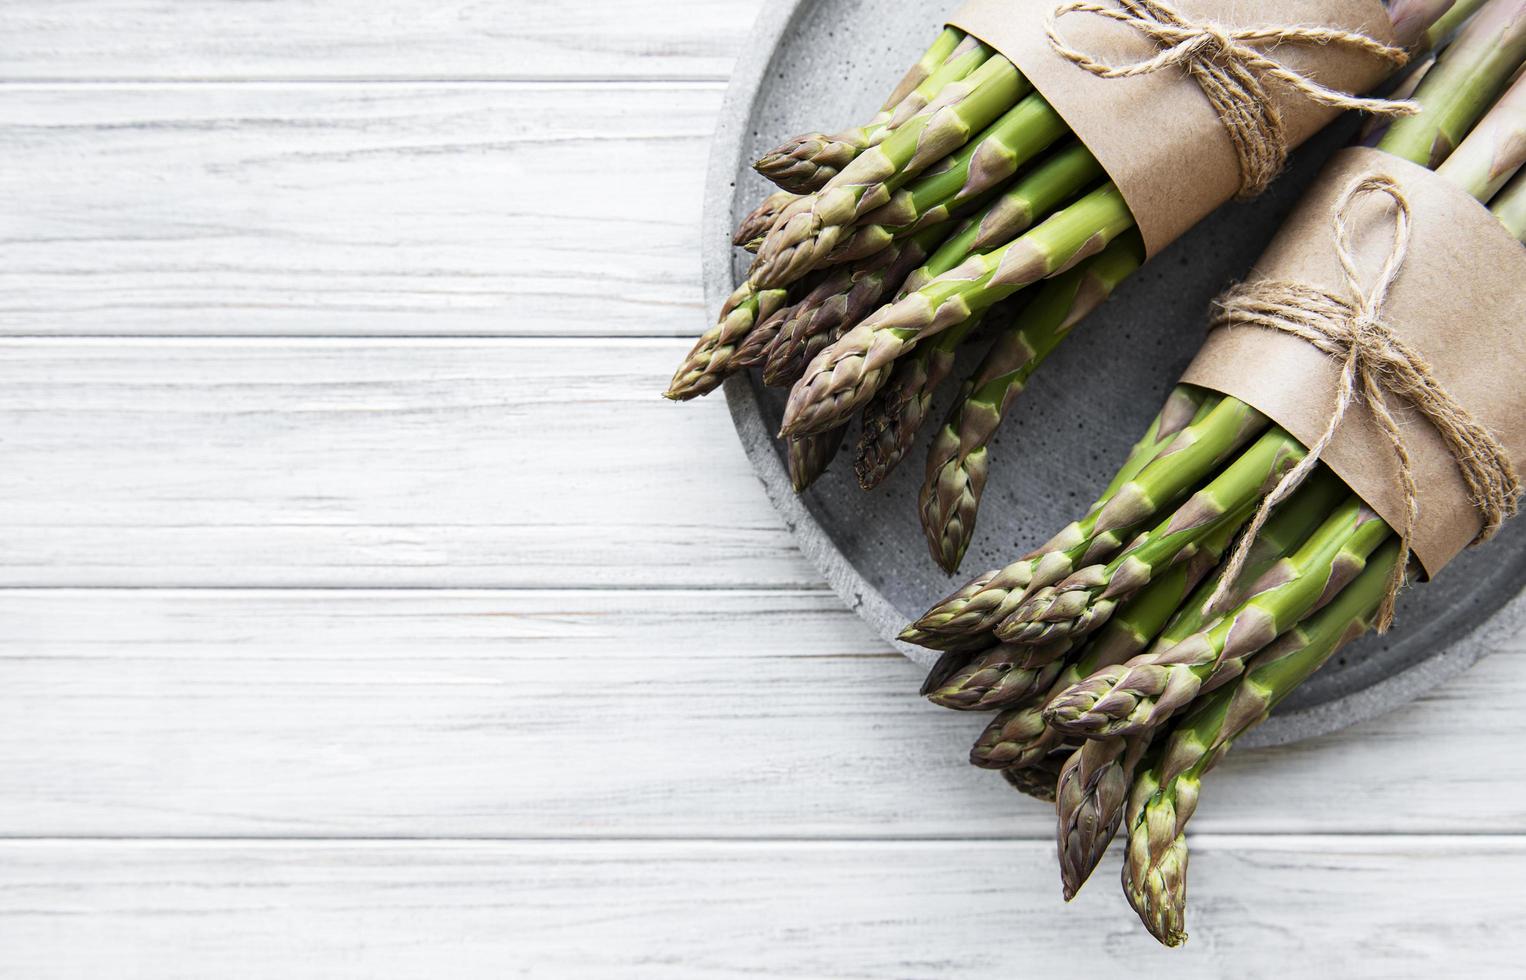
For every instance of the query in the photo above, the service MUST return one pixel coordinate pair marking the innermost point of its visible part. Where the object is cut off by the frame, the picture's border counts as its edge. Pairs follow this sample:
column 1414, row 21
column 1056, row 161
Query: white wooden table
column 365, row 613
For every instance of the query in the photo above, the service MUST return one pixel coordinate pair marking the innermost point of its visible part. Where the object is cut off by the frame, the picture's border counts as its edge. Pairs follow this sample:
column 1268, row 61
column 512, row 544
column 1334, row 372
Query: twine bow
column 1227, row 65
column 1377, row 364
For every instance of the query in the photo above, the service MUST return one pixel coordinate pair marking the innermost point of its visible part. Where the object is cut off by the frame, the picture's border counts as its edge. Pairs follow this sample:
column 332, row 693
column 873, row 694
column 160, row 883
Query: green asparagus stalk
column 986, row 162
column 1032, row 196
column 1094, row 781
column 757, row 342
column 892, row 420
column 1178, row 602
column 951, row 662
column 1509, row 206
column 1435, row 23
column 811, row 228
column 847, row 374
column 1164, row 797
column 1454, row 94
column 1151, row 688
column 949, row 41
column 1093, row 789
column 1191, row 456
column 712, row 360
column 959, row 460
column 809, row 456
column 1495, row 150
column 1411, row 19
column 1182, row 464
column 805, row 164
column 990, row 598
column 968, row 55
column 845, row 296
column 756, row 224
column 1002, row 677
column 1084, row 601
column 1019, row 737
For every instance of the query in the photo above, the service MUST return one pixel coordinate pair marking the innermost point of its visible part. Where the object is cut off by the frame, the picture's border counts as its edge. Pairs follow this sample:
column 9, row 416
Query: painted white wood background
column 366, row 614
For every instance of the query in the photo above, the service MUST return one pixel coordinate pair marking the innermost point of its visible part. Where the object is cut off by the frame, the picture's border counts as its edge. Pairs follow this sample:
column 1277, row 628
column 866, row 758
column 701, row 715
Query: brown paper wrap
column 1157, row 135
column 1460, row 299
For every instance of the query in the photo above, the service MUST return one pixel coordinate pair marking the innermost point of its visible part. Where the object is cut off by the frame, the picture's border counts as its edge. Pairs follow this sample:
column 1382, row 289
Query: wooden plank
column 589, row 713
column 341, row 463
column 342, row 39
column 1261, row 908
column 353, row 209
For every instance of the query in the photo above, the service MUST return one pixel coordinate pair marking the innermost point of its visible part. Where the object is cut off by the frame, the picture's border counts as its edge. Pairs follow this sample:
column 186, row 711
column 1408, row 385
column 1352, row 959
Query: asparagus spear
column 892, row 420
column 808, row 230
column 1164, row 797
column 1090, row 813
column 1063, row 174
column 990, row 598
column 1473, row 71
column 809, row 456
column 1004, row 676
column 1019, row 736
column 987, row 161
column 756, row 343
column 1032, row 196
column 1180, row 465
column 805, row 163
column 1445, row 18
column 1415, row 20
column 1093, row 788
column 1178, row 601
column 1510, row 207
column 712, row 359
column 1495, row 150
column 967, row 55
column 1148, row 690
column 845, row 296
column 951, row 662
column 847, row 374
column 1087, row 599
column 756, row 224
column 894, row 417
column 958, row 462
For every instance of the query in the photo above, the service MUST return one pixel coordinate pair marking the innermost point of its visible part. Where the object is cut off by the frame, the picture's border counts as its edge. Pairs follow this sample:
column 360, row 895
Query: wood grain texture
column 290, row 209
column 1326, row 907
column 343, row 39
column 589, row 713
column 680, row 757
column 546, row 463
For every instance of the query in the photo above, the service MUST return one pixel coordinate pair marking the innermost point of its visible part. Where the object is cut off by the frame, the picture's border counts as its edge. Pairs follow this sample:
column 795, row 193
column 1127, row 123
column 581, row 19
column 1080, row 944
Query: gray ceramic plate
column 819, row 64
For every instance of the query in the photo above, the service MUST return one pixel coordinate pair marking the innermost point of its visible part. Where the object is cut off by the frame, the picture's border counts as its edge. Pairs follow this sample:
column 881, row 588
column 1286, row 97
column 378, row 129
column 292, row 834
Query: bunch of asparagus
column 893, row 243
column 1121, row 664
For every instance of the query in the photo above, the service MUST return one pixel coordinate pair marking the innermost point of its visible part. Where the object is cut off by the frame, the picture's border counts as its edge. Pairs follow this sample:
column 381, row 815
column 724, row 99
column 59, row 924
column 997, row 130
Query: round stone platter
column 825, row 64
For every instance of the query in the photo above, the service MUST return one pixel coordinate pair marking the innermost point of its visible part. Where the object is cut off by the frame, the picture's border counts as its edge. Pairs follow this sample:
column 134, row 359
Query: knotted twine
column 1225, row 63
column 1377, row 365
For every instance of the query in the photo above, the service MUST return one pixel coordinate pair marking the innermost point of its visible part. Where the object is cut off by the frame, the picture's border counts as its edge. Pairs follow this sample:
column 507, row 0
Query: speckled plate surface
column 822, row 64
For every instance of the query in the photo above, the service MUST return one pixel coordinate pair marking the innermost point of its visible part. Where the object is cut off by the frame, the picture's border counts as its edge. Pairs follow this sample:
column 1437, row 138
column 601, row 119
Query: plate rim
column 727, row 151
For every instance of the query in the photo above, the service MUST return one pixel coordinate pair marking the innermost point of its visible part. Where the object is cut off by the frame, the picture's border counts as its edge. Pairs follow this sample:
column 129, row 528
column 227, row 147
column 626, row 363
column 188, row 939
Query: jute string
column 1377, row 365
column 1232, row 72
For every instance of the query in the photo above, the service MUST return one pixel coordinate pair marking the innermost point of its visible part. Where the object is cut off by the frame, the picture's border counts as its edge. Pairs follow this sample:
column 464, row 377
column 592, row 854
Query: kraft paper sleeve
column 1460, row 299
column 1157, row 136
